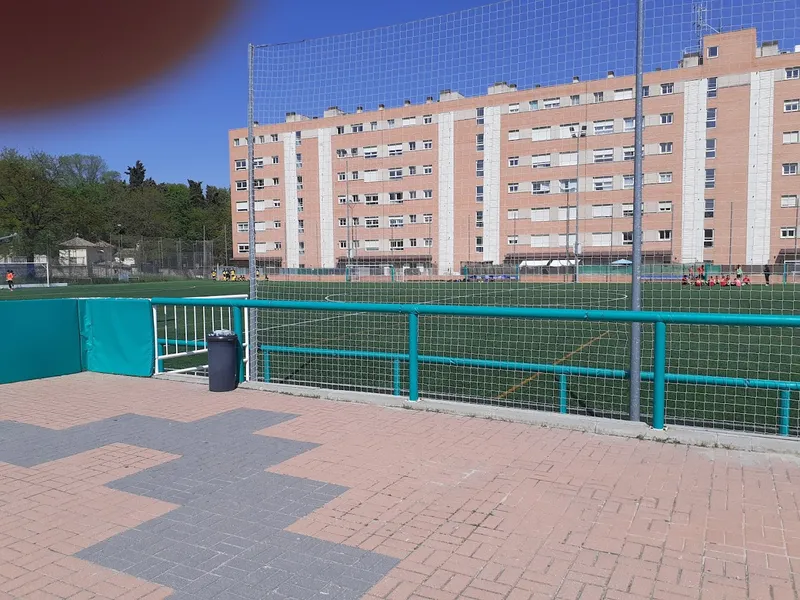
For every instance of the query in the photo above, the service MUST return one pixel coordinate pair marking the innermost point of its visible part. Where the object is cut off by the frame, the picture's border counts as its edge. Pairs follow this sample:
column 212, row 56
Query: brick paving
column 132, row 488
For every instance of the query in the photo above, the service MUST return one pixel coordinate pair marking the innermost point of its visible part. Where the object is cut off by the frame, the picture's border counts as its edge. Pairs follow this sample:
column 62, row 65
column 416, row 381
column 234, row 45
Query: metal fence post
column 562, row 394
column 413, row 356
column 396, row 377
column 659, row 373
column 267, row 375
column 238, row 329
column 786, row 400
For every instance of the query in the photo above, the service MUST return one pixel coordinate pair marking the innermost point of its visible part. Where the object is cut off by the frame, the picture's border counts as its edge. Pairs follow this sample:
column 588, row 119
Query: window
column 788, row 233
column 395, row 149
column 396, row 221
column 790, row 168
column 665, row 207
column 667, row 88
column 513, row 161
column 628, row 153
column 540, row 241
column 712, row 87
column 645, row 91
column 427, row 193
column 567, row 158
column 626, row 94
column 789, row 201
column 371, row 245
column 300, row 226
column 664, row 235
column 241, row 185
column 479, row 168
column 479, row 142
column 709, row 210
column 371, row 199
column 513, row 187
column 261, row 139
column 299, row 160
column 240, row 165
column 565, row 130
column 479, row 244
column 369, row 222
column 276, row 203
column 258, row 162
column 513, row 134
column 427, row 218
column 564, row 213
column 552, row 102
column 396, row 173
column 412, row 146
column 568, row 185
column 602, row 184
column 479, row 218
column 276, row 160
column 409, row 121
column 627, row 182
column 791, row 137
column 513, row 108
column 370, row 152
column 300, row 205
column 243, row 248
column 629, row 124
column 603, row 155
column 540, row 187
column 513, row 240
column 373, row 126
column 533, row 105
column 713, row 51
column 395, row 197
column 241, row 207
column 665, row 177
column 479, row 193
column 791, row 105
column 427, row 119
column 601, row 211
column 354, row 175
column 540, row 161
column 575, row 100
column 371, row 176
column 540, row 214
column 598, row 96
column 603, row 127
column 354, row 198
column 711, row 118
column 793, row 73
column 299, row 182
column 276, row 181
column 340, row 130
column 427, row 242
column 708, row 238
column 564, row 241
column 427, row 144
column 357, row 128
column 260, row 205
column 277, row 224
column 711, row 148
column 412, row 219
column 412, row 242
column 540, row 134
column 479, row 112
column 627, row 209
column 601, row 239
column 341, row 153
column 427, row 169
column 412, row 170
column 343, row 244
column 274, row 137
column 627, row 238
column 711, row 178
column 390, row 123
column 341, row 176
column 243, row 227
column 665, row 148
column 667, row 118
column 513, row 214
column 240, row 141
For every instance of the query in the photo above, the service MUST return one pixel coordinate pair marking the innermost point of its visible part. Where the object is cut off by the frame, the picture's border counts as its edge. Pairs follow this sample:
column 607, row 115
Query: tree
column 196, row 192
column 136, row 175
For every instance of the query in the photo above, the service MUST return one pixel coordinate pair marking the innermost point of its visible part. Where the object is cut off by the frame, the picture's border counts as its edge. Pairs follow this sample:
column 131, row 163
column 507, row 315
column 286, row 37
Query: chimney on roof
column 359, row 109
column 381, row 106
column 769, row 48
column 575, row 79
column 407, row 103
column 610, row 75
column 538, row 85
column 429, row 100
column 501, row 87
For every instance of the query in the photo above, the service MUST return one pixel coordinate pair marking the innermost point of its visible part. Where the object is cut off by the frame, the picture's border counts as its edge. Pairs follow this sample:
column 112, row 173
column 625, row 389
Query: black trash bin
column 224, row 352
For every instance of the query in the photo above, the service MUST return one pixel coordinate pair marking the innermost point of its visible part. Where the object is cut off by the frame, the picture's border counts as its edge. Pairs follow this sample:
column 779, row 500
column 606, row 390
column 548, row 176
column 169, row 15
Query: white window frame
column 603, row 183
column 792, row 105
column 240, row 164
column 603, row 155
column 427, row 144
column 665, row 148
column 667, row 118
column 513, row 214
column 789, row 201
column 540, row 215
column 241, row 207
column 479, row 168
column 711, row 148
column 540, row 241
column 427, row 169
column 541, row 161
column 629, row 124
column 664, row 235
column 513, row 135
column 792, row 73
column 603, row 127
column 791, row 137
column 243, row 248
column 790, row 169
column 602, row 211
column 788, row 233
column 513, row 108
column 371, row 222
column 513, row 161
column 711, row 118
column 548, row 103
column 665, row 206
column 541, row 134
column 540, row 188
column 709, row 208
column 665, row 177
column 513, row 188
column 667, row 88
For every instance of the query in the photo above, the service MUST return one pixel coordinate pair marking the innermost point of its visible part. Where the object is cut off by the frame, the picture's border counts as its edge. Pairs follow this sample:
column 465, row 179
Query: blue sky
column 177, row 125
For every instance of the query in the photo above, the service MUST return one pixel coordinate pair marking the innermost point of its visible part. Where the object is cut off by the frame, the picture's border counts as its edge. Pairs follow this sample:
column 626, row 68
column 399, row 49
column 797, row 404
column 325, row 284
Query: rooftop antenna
column 700, row 23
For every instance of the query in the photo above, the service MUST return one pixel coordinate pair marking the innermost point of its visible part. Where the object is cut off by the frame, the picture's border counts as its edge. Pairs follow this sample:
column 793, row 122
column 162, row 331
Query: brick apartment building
column 493, row 178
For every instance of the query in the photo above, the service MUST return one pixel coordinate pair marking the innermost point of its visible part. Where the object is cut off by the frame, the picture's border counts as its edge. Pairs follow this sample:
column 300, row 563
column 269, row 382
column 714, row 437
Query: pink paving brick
column 472, row 508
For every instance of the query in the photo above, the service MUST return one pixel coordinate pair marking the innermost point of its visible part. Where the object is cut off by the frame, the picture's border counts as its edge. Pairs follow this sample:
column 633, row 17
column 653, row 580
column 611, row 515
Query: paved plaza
column 116, row 487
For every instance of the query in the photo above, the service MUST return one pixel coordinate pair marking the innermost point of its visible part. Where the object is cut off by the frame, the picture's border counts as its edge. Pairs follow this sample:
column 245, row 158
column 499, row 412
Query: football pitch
column 727, row 351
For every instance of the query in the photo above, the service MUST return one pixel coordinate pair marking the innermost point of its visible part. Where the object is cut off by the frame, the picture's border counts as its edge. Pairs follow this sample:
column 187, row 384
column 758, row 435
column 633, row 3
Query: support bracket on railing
column 413, row 356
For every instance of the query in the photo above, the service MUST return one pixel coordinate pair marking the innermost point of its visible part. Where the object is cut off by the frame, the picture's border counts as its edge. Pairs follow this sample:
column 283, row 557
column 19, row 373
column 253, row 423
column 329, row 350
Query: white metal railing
column 180, row 332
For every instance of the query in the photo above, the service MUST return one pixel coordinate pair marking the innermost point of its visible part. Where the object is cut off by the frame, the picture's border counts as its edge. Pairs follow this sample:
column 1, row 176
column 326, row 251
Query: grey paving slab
column 227, row 539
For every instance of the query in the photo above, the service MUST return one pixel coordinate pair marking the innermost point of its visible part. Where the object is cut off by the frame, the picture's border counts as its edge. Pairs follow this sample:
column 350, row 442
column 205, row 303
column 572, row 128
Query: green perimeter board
column 42, row 339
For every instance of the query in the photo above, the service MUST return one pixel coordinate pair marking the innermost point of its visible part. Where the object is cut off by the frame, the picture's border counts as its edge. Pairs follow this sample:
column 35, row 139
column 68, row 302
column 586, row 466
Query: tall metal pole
column 575, row 246
column 347, row 208
column 566, row 243
column 252, row 348
column 636, row 258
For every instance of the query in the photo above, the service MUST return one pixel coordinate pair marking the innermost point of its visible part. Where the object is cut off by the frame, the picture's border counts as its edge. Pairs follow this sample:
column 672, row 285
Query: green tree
column 136, row 175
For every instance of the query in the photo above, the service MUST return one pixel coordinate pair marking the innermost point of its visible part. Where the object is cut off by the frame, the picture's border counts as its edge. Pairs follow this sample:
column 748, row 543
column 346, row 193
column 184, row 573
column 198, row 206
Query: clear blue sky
column 177, row 125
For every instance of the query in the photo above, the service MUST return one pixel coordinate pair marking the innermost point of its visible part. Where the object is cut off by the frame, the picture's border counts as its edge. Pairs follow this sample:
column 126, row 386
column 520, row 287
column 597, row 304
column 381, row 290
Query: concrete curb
column 674, row 434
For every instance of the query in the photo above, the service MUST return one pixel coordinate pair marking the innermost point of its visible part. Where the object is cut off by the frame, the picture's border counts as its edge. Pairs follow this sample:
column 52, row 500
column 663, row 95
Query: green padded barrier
column 41, row 339
column 117, row 336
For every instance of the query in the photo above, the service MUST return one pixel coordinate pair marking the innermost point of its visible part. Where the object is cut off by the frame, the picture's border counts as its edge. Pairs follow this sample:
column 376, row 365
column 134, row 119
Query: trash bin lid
column 221, row 333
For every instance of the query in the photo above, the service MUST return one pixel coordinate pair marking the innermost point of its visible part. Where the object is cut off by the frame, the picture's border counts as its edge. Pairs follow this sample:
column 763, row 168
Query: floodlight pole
column 636, row 257
column 577, row 134
column 252, row 330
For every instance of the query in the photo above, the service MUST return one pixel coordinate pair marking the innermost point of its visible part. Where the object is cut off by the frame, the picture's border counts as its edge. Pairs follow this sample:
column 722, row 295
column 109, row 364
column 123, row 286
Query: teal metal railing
column 658, row 374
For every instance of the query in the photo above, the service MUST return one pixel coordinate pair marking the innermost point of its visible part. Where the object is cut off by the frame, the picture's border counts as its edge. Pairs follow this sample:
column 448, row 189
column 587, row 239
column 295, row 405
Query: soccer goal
column 791, row 271
column 27, row 274
column 374, row 273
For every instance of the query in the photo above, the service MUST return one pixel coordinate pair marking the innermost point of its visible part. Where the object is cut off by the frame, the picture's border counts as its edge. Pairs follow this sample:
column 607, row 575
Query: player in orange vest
column 10, row 280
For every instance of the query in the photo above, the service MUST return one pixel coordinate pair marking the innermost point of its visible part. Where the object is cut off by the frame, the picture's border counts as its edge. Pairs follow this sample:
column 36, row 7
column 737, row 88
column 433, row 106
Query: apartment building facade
column 509, row 176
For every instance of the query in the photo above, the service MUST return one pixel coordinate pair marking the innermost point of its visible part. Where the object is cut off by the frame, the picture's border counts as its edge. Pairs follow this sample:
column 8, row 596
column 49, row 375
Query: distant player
column 711, row 282
column 10, row 280
column 767, row 273
column 685, row 280
column 698, row 282
column 739, row 272
column 214, row 275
